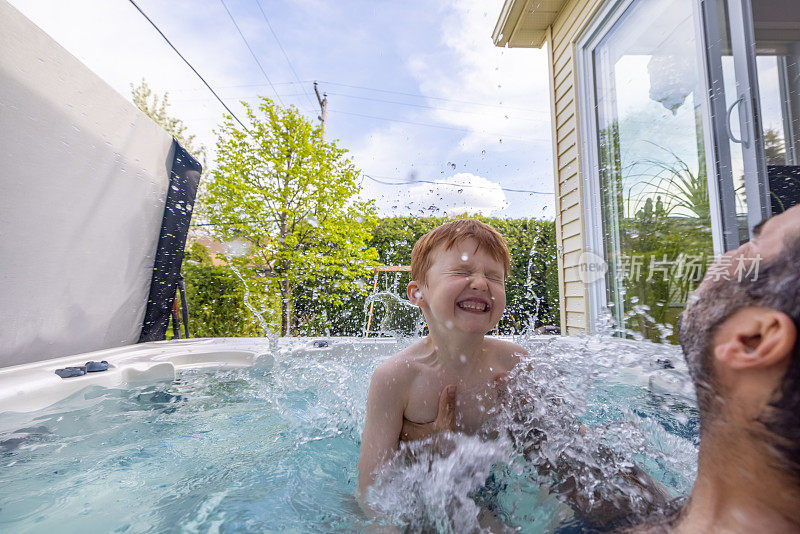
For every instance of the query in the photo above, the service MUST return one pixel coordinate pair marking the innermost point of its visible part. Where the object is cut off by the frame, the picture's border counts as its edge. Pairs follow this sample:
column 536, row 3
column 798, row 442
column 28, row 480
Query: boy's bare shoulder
column 505, row 353
column 506, row 348
column 397, row 371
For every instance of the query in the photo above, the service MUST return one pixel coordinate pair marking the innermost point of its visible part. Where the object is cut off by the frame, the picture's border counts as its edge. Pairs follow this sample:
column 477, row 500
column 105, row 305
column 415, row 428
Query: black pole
column 176, row 325
column 184, row 305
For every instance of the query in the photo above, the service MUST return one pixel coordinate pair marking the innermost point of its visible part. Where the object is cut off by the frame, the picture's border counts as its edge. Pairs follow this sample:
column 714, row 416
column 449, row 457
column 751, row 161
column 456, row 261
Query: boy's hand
column 445, row 423
column 446, row 416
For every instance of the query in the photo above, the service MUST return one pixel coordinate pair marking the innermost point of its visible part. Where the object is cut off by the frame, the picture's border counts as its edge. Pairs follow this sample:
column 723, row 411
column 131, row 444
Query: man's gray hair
column 778, row 288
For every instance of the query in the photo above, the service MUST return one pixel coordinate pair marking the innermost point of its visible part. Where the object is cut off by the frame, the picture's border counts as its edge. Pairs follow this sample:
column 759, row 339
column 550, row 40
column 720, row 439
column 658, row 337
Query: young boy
column 447, row 380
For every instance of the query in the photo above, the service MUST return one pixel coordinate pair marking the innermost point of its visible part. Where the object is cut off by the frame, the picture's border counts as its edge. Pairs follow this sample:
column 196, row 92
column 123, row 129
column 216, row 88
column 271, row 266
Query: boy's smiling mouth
column 474, row 305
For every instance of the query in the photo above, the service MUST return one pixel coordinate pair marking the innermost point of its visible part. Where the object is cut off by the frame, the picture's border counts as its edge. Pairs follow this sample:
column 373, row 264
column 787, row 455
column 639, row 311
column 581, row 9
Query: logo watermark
column 591, row 267
column 692, row 268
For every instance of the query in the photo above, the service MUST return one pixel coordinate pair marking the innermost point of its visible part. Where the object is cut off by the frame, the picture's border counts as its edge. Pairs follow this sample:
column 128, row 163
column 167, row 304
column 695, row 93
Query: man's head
column 458, row 273
column 740, row 339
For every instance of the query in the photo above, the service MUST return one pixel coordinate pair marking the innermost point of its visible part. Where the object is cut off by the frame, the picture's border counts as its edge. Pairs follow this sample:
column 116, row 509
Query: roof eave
column 522, row 26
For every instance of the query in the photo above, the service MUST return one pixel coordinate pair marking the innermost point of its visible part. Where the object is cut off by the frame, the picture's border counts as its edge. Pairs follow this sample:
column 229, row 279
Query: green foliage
column 156, row 108
column 393, row 238
column 667, row 224
column 216, row 298
column 293, row 199
column 774, row 147
column 532, row 284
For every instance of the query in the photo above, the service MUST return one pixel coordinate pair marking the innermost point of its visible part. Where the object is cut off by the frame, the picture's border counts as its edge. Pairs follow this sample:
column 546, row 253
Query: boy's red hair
column 451, row 234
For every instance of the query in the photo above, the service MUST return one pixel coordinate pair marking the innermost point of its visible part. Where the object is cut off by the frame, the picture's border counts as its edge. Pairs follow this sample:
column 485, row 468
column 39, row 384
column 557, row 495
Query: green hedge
column 216, row 293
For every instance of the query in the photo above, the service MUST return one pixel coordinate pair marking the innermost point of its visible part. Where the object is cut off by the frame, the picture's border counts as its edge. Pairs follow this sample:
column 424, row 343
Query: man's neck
column 739, row 491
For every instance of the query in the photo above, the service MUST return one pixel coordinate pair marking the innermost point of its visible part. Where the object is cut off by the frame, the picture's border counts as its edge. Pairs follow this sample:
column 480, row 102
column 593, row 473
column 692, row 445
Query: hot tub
column 259, row 435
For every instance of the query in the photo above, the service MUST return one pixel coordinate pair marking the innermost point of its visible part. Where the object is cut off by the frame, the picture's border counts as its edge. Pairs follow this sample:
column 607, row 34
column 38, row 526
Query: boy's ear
column 414, row 293
column 755, row 338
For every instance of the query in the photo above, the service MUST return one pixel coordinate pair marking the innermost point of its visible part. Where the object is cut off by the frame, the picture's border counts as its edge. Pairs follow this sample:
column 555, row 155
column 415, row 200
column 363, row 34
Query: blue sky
column 417, row 91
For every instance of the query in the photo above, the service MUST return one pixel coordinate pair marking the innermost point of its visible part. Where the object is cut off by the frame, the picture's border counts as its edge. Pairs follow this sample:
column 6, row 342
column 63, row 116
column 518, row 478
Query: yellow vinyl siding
column 567, row 112
column 573, row 290
column 576, row 322
column 570, row 225
column 568, row 200
column 573, row 243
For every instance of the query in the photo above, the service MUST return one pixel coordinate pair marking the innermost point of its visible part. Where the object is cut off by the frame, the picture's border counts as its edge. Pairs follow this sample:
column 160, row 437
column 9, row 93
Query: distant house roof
column 524, row 23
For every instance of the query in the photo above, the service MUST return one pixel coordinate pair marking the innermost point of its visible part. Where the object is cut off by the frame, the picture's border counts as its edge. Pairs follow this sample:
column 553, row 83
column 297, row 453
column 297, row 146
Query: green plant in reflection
column 657, row 228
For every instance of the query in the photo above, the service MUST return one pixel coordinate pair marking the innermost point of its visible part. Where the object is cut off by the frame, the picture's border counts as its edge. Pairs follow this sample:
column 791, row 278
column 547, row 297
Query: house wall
column 570, row 223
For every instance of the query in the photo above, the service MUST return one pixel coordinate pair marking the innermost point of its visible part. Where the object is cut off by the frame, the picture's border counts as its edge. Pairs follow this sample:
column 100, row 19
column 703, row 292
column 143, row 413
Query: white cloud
column 449, row 58
column 469, row 68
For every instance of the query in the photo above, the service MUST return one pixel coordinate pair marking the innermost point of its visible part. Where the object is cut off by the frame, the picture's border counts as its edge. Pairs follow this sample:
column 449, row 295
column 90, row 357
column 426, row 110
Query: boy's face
column 464, row 290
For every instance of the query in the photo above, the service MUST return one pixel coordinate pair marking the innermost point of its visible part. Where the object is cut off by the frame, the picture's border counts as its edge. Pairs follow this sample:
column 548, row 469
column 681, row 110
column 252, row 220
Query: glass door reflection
column 653, row 181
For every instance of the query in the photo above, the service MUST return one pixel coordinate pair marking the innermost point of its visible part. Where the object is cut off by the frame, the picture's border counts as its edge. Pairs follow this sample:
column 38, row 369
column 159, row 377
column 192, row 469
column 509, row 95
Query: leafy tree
column 156, row 108
column 293, row 199
column 774, row 147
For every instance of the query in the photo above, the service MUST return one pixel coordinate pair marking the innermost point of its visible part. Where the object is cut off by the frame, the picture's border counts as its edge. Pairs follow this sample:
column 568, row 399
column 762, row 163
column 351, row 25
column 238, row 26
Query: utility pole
column 323, row 106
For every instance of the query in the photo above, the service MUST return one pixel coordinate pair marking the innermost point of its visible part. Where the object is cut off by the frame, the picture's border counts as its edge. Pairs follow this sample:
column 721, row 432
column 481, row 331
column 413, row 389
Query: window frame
column 585, row 44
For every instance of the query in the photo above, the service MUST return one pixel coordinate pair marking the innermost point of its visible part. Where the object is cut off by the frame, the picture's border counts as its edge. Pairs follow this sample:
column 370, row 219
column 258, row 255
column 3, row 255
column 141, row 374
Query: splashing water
column 431, row 484
column 584, row 439
column 265, row 329
column 275, row 447
column 400, row 319
column 531, row 318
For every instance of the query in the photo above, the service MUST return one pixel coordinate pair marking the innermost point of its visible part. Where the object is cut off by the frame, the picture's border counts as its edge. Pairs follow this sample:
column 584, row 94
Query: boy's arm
column 384, row 422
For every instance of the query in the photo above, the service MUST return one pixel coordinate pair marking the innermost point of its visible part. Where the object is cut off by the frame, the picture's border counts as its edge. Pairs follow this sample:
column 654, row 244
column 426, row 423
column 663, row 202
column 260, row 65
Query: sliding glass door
column 646, row 112
column 690, row 137
column 753, row 72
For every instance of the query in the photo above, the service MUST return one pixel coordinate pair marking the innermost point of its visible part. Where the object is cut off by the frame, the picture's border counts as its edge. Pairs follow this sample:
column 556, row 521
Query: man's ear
column 755, row 338
column 414, row 293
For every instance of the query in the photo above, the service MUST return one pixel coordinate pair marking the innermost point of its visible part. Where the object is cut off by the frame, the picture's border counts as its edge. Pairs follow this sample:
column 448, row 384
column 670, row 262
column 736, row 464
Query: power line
column 285, row 55
column 414, row 95
column 232, row 98
column 501, row 136
column 189, row 65
column 412, row 182
column 423, row 106
column 252, row 53
column 417, row 95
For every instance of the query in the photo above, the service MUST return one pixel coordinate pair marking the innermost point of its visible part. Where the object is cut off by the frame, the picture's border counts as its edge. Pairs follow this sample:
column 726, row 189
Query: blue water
column 274, row 448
